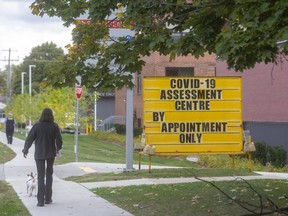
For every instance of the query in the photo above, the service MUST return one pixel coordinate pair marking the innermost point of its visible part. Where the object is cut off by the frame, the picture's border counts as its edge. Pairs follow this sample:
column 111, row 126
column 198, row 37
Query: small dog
column 31, row 184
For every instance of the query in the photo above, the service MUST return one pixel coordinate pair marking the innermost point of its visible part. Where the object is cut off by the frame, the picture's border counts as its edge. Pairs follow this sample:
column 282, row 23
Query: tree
column 22, row 109
column 3, row 84
column 60, row 100
column 46, row 57
column 242, row 32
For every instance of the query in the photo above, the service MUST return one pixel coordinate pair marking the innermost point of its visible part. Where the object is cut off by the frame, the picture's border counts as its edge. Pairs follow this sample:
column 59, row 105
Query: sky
column 20, row 31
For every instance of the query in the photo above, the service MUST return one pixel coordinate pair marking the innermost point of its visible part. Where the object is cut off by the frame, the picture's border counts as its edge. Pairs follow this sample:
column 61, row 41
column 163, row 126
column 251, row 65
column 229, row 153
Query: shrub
column 110, row 137
column 21, row 124
column 137, row 132
column 276, row 155
column 121, row 129
column 260, row 154
column 225, row 161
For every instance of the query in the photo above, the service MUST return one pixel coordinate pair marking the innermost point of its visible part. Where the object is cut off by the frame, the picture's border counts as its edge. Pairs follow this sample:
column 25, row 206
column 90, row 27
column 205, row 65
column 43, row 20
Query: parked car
column 69, row 130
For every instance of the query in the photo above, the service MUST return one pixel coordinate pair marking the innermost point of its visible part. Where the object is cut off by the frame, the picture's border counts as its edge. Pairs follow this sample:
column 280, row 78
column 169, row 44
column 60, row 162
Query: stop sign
column 78, row 92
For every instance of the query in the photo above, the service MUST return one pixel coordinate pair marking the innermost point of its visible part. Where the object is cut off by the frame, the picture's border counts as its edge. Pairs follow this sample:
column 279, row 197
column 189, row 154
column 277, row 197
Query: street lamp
column 30, row 90
column 22, row 82
column 30, row 78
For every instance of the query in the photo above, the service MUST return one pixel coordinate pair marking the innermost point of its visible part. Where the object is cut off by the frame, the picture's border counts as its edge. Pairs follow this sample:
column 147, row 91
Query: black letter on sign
column 158, row 116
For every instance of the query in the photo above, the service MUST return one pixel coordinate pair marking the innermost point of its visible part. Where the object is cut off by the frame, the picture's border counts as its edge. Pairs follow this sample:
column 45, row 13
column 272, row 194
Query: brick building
column 265, row 98
column 265, row 101
column 159, row 65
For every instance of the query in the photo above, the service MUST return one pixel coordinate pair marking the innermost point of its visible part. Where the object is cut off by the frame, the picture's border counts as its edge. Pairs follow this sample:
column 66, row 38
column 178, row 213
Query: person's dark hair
column 47, row 115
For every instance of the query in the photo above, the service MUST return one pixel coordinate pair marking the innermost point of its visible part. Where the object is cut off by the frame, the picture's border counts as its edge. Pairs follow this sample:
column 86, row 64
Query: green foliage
column 121, row 129
column 200, row 198
column 187, row 172
column 137, row 132
column 225, row 161
column 46, row 57
column 274, row 155
column 241, row 32
column 6, row 154
column 22, row 108
column 3, row 83
column 277, row 156
column 241, row 162
column 10, row 204
column 21, row 125
column 60, row 100
column 260, row 154
column 110, row 137
column 108, row 148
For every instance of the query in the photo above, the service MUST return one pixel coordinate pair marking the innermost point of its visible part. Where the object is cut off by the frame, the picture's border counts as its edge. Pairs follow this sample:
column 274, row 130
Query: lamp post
column 22, row 82
column 95, row 111
column 30, row 79
column 30, row 89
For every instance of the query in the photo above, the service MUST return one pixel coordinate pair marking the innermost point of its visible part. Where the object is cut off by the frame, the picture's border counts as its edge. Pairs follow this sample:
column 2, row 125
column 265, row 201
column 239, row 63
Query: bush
column 260, row 154
column 276, row 155
column 110, row 137
column 225, row 162
column 121, row 129
column 21, row 124
column 137, row 132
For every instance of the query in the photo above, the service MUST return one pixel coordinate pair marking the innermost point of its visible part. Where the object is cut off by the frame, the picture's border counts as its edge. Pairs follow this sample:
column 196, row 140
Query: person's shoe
column 48, row 201
column 40, row 204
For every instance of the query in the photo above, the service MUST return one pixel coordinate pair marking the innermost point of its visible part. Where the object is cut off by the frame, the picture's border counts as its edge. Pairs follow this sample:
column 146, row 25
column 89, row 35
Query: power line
column 9, row 75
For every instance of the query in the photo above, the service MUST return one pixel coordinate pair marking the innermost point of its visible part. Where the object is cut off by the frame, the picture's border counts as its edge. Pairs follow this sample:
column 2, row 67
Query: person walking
column 48, row 141
column 10, row 123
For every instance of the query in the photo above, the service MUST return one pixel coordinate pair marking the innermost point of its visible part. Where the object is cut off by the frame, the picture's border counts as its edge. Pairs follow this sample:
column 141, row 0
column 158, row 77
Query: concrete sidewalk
column 262, row 175
column 70, row 198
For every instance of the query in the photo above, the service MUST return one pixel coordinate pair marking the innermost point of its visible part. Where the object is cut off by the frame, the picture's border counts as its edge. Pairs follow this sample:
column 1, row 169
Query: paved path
column 262, row 175
column 70, row 198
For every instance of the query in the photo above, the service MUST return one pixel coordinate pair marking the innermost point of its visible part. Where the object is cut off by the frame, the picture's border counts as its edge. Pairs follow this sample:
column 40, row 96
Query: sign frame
column 193, row 115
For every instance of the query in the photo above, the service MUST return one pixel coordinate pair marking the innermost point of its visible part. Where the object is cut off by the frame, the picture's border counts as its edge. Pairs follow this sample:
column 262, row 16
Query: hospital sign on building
column 186, row 115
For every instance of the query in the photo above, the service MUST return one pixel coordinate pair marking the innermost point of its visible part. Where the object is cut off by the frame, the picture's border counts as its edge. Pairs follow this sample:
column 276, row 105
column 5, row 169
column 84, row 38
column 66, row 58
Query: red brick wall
column 265, row 97
column 155, row 66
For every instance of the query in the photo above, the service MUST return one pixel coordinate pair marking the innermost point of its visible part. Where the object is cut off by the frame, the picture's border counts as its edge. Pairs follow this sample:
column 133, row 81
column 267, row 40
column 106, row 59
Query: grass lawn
column 161, row 173
column 6, row 154
column 91, row 149
column 10, row 204
column 198, row 198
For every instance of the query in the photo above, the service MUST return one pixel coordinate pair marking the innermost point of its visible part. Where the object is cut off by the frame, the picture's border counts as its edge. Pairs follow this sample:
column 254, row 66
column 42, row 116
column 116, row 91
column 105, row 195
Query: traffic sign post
column 78, row 94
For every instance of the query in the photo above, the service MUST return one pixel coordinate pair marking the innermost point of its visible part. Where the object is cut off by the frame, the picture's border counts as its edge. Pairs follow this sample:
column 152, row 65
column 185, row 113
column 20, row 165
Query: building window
column 139, row 83
column 139, row 122
column 180, row 71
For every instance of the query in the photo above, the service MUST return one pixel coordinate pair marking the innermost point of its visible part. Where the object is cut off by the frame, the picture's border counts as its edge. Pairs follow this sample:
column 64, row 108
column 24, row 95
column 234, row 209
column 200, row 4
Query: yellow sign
column 184, row 115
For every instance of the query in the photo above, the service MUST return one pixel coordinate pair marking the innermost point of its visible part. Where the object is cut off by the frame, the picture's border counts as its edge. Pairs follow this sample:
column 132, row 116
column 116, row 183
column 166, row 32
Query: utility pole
column 9, row 74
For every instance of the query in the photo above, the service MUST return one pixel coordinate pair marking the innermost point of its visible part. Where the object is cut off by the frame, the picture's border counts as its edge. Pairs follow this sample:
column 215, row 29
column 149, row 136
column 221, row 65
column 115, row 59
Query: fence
column 108, row 124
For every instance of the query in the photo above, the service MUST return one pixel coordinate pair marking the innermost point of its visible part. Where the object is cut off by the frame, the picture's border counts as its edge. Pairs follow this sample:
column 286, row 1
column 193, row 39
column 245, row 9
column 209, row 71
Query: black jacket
column 48, row 140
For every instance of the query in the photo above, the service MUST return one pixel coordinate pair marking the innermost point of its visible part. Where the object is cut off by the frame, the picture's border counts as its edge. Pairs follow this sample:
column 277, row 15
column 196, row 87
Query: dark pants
column 9, row 135
column 44, row 191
